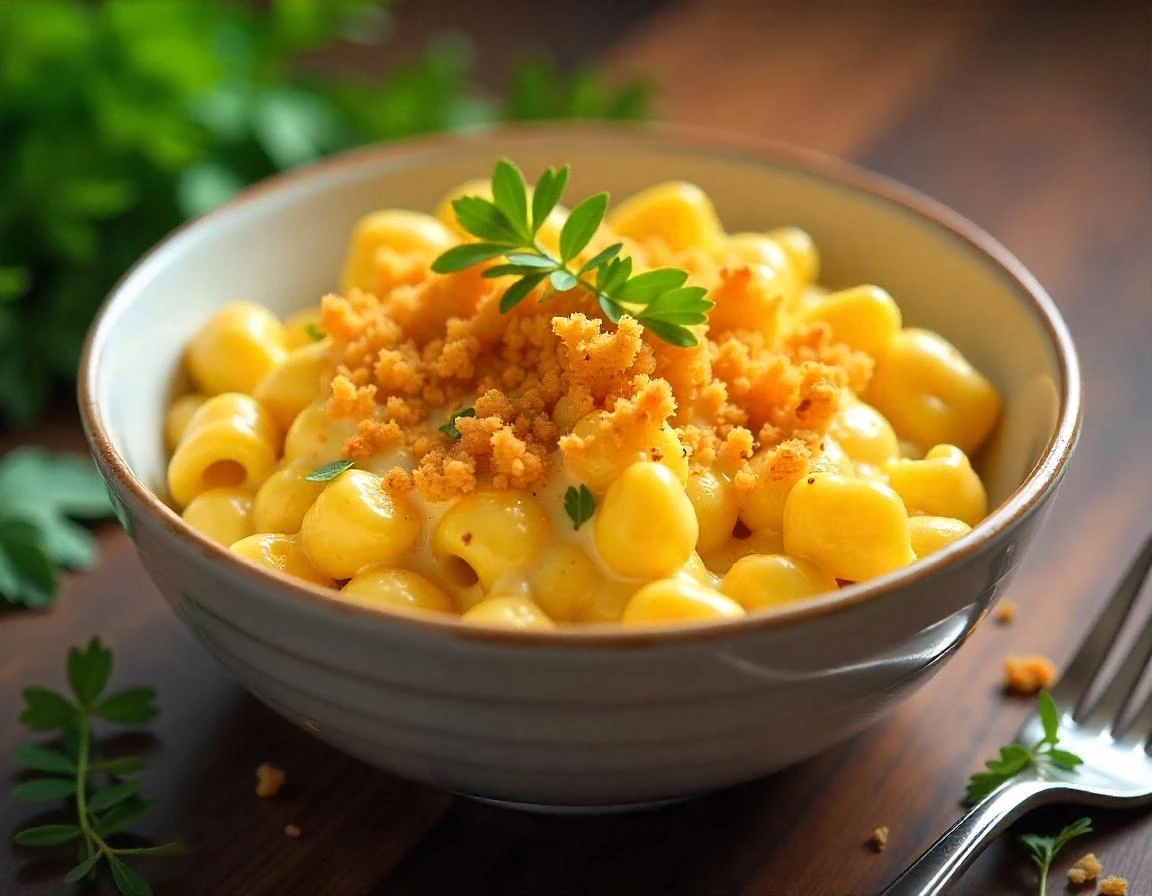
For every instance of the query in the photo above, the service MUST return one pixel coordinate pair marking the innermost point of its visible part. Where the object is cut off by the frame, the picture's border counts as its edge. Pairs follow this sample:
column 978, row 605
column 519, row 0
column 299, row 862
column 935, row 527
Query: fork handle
column 949, row 857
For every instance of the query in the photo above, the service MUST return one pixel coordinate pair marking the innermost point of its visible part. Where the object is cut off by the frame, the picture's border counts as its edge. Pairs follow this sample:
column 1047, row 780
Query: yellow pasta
column 761, row 581
column 294, row 383
column 680, row 214
column 176, row 420
column 931, row 394
column 395, row 589
column 414, row 447
column 357, row 521
column 716, row 505
column 564, row 580
column 853, row 528
column 283, row 553
column 943, row 483
column 863, row 318
column 223, row 514
column 231, row 441
column 625, row 535
column 487, row 535
column 678, row 600
column 235, row 349
column 283, row 499
column 509, row 612
column 931, row 533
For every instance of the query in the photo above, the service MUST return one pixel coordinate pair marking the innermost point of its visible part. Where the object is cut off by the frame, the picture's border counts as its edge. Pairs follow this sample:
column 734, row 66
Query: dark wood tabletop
column 1032, row 119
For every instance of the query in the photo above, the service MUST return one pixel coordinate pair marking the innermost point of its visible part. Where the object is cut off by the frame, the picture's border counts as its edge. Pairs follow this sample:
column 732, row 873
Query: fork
column 1117, row 770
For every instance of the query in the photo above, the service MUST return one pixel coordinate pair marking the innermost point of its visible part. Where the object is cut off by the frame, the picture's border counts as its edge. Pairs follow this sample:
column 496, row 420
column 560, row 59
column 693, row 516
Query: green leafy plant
column 330, row 470
column 449, row 429
column 67, row 773
column 1014, row 758
column 1042, row 850
column 507, row 227
column 579, row 504
column 40, row 495
column 122, row 118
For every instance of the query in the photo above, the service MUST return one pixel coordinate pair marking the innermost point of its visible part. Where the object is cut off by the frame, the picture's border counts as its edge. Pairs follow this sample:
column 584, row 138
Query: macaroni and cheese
column 545, row 467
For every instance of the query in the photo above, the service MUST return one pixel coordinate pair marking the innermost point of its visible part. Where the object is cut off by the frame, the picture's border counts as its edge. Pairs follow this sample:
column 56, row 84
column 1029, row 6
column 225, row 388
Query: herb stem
column 84, row 736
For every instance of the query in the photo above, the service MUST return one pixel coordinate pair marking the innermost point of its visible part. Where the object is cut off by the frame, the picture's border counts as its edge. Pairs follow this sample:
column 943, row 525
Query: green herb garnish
column 1014, row 758
column 102, row 811
column 1042, row 850
column 123, row 118
column 330, row 470
column 314, row 332
column 579, row 505
column 40, row 495
column 507, row 226
column 449, row 429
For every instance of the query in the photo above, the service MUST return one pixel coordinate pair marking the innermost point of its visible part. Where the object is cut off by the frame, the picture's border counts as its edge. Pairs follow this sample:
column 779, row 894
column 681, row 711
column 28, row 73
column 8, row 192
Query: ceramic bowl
column 594, row 717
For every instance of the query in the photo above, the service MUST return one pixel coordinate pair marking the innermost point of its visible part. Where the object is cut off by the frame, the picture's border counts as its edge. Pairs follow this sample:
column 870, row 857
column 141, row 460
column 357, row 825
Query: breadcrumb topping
column 1028, row 674
column 1113, row 886
column 1084, row 869
column 1005, row 612
column 269, row 780
column 427, row 344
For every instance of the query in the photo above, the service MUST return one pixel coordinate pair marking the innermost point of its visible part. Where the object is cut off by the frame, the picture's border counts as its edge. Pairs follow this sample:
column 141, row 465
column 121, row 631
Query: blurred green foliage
column 120, row 119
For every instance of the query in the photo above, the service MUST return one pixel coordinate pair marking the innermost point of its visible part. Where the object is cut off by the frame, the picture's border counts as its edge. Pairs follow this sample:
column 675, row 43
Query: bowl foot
column 552, row 809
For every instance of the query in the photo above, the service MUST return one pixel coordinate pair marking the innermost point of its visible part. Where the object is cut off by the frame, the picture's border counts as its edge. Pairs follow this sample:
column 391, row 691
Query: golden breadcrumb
column 1085, row 868
column 879, row 838
column 1028, row 674
column 269, row 780
column 1113, row 886
column 1005, row 612
column 425, row 345
column 292, row 831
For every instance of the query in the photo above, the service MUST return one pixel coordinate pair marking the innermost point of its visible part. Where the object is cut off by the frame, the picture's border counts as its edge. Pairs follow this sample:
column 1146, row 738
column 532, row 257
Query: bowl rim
column 1040, row 480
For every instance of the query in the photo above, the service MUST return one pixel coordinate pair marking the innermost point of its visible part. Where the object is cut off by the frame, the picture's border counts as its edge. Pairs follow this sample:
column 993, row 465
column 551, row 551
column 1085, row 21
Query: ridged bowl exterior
column 594, row 718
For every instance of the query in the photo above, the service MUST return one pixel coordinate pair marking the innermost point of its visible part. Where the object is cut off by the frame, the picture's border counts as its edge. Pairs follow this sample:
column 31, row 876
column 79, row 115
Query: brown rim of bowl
column 1023, row 500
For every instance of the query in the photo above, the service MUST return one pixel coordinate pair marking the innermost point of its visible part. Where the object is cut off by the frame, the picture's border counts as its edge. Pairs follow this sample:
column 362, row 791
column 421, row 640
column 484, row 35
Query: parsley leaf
column 99, row 810
column 1042, row 850
column 1015, row 758
column 40, row 495
column 123, row 118
column 579, row 504
column 314, row 332
column 504, row 227
column 449, row 429
column 330, row 470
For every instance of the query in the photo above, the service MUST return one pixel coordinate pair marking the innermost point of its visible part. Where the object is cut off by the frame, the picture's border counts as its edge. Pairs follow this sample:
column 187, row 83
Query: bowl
column 597, row 717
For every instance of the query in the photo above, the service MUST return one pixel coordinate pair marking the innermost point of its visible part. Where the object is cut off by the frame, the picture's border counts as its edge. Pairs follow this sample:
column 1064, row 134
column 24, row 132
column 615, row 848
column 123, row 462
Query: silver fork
column 1117, row 770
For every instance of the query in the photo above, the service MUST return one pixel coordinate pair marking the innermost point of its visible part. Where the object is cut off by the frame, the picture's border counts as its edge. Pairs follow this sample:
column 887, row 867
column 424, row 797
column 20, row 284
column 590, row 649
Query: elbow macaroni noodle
column 811, row 440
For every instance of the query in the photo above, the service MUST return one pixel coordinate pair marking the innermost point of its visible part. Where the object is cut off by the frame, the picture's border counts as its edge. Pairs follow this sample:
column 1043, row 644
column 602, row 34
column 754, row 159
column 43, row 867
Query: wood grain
column 1032, row 120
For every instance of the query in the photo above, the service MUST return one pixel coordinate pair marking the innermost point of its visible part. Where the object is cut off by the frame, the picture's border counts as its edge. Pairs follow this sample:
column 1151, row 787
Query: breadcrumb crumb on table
column 292, row 831
column 269, row 780
column 1028, row 674
column 1084, row 869
column 1113, row 886
column 1005, row 612
column 879, row 839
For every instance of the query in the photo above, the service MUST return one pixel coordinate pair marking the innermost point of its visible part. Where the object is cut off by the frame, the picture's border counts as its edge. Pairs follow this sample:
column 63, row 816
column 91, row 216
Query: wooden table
column 1031, row 120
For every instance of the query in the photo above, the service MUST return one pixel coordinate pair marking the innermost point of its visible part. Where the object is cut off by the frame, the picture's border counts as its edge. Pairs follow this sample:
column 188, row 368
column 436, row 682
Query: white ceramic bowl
column 590, row 717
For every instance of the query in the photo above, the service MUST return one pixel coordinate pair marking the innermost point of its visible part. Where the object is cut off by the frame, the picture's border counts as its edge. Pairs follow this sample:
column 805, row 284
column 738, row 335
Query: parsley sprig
column 579, row 504
column 449, row 429
column 1042, row 850
column 508, row 226
column 40, row 495
column 1014, row 758
column 102, row 811
column 330, row 470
